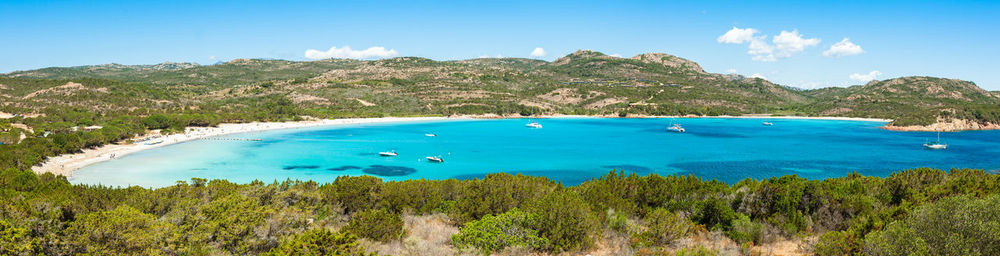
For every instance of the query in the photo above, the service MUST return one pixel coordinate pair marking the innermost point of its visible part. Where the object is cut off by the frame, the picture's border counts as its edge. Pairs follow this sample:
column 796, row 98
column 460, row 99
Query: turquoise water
column 568, row 150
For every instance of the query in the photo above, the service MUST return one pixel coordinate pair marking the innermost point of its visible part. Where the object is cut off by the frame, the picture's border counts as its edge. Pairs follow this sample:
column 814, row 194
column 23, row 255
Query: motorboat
column 435, row 159
column 388, row 153
column 676, row 128
column 533, row 125
column 767, row 123
column 430, row 135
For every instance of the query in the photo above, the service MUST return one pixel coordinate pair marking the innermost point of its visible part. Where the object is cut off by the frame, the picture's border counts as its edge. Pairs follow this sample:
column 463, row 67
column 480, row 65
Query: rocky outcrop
column 669, row 61
column 946, row 126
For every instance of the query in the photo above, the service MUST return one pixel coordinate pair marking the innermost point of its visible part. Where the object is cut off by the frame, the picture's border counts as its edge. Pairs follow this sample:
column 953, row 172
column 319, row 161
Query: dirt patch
column 836, row 111
column 605, row 102
column 426, row 235
column 563, row 96
column 365, row 103
column 306, row 98
column 66, row 89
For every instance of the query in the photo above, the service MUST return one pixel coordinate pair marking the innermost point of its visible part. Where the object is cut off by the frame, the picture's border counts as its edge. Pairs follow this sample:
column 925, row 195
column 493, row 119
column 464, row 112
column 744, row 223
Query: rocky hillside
column 584, row 82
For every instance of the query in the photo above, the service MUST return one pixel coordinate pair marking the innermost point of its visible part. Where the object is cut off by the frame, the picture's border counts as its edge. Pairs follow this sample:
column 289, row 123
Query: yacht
column 430, row 135
column 435, row 159
column 389, row 153
column 676, row 128
column 533, row 125
column 767, row 123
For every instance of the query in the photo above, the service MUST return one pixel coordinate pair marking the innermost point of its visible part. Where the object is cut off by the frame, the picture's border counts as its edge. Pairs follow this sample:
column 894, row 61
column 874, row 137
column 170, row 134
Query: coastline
column 67, row 164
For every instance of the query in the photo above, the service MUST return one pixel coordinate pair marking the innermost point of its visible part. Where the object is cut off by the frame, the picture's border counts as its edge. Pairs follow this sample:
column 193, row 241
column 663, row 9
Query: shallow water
column 568, row 150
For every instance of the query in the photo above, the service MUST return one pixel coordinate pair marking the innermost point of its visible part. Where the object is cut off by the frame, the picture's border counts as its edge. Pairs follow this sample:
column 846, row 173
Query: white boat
column 767, row 123
column 389, row 153
column 937, row 144
column 154, row 142
column 435, row 159
column 533, row 125
column 676, row 128
column 430, row 135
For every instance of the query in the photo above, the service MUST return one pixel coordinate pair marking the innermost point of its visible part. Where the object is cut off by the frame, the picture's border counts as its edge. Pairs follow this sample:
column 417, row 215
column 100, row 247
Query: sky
column 798, row 43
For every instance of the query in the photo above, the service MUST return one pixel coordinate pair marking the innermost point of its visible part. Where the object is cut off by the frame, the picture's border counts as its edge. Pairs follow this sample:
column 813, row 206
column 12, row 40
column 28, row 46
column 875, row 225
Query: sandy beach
column 67, row 164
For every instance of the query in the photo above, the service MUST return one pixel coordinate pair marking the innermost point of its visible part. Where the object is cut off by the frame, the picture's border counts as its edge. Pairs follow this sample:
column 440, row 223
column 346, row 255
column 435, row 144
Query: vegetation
column 58, row 111
column 922, row 211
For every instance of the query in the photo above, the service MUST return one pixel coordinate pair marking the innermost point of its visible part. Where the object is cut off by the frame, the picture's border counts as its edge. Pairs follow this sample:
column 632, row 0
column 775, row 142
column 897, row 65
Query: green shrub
column 122, row 231
column 565, row 220
column 664, row 227
column 744, row 230
column 320, row 242
column 959, row 225
column 715, row 213
column 896, row 239
column 494, row 233
column 835, row 243
column 15, row 241
column 376, row 224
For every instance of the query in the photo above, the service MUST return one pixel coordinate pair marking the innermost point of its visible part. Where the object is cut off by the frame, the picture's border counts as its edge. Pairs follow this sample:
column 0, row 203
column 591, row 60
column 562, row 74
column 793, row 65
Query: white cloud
column 788, row 43
column 737, row 36
column 865, row 78
column 784, row 44
column 212, row 57
column 616, row 55
column 538, row 52
column 485, row 56
column 376, row 52
column 843, row 48
column 731, row 71
column 758, row 75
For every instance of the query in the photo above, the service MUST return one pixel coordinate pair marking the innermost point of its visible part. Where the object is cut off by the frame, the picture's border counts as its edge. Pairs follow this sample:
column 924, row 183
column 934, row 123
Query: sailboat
column 766, row 123
column 674, row 126
column 533, row 124
column 937, row 144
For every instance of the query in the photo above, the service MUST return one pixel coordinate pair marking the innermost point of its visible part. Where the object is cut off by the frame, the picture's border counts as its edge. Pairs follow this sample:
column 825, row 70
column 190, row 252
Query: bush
column 665, row 227
column 744, row 230
column 15, row 241
column 715, row 213
column 565, row 220
column 122, row 231
column 896, row 239
column 959, row 225
column 320, row 242
column 376, row 224
column 835, row 243
column 494, row 233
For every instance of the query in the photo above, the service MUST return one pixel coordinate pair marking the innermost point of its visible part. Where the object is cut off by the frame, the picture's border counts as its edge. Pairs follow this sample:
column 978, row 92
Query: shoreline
column 67, row 164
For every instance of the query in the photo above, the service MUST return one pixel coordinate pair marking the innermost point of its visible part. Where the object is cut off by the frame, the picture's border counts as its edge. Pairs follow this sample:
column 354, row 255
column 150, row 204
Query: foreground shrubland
column 922, row 212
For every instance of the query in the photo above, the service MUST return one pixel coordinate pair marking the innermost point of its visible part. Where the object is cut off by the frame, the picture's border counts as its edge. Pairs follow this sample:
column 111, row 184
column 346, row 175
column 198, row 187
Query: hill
column 584, row 82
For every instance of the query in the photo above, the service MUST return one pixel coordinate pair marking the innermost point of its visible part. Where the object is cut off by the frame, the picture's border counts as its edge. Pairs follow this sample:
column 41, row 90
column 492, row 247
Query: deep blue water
column 568, row 150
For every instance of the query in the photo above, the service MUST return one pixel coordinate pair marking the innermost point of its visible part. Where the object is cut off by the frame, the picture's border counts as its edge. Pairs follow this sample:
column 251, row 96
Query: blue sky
column 896, row 38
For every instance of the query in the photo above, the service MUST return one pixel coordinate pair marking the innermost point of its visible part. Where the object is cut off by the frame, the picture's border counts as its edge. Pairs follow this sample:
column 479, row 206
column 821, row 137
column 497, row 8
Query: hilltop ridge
column 584, row 82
